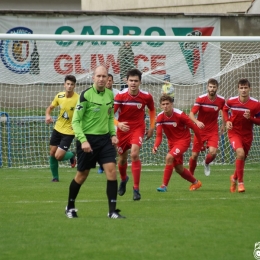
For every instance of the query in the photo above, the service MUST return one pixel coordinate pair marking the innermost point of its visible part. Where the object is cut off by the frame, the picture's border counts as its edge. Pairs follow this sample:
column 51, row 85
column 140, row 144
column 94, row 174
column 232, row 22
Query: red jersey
column 176, row 127
column 208, row 112
column 241, row 125
column 131, row 109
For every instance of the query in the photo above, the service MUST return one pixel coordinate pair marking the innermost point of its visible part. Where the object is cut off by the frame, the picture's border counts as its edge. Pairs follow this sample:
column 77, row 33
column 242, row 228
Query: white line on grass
column 146, row 200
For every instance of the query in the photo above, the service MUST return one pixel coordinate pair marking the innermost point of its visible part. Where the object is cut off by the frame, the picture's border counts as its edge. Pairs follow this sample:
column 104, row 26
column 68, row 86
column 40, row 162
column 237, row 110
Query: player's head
column 100, row 77
column 167, row 78
column 127, row 43
column 166, row 103
column 134, row 77
column 243, row 88
column 243, row 82
column 110, row 81
column 134, row 72
column 69, row 83
column 212, row 87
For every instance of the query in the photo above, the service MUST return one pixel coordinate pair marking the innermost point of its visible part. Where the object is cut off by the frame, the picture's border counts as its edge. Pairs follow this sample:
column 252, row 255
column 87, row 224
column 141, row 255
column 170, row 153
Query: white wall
column 39, row 5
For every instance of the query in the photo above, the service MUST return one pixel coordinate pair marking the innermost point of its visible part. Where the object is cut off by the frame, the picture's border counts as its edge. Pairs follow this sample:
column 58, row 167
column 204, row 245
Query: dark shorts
column 61, row 140
column 103, row 152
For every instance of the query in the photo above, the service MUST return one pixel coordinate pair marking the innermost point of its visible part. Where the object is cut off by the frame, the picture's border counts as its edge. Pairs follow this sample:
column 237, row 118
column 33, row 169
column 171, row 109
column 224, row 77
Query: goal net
column 33, row 68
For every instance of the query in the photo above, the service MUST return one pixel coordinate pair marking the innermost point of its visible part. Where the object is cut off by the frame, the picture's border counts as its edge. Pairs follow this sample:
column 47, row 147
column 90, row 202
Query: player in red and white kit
column 208, row 107
column 175, row 124
column 130, row 104
column 244, row 113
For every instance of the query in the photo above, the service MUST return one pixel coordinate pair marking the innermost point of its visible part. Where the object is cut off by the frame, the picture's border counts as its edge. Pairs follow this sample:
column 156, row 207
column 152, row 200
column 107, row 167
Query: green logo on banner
column 193, row 51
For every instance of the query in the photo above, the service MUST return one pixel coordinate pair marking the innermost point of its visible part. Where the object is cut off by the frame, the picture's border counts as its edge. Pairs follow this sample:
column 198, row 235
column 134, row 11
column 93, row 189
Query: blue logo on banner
column 15, row 54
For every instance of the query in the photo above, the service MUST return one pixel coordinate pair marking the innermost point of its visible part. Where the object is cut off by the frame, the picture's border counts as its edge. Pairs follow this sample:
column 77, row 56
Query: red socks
column 186, row 174
column 209, row 158
column 167, row 174
column 122, row 171
column 240, row 165
column 192, row 165
column 136, row 172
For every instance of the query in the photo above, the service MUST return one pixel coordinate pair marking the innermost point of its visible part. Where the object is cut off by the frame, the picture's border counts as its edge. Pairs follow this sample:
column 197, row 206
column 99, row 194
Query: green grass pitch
column 210, row 223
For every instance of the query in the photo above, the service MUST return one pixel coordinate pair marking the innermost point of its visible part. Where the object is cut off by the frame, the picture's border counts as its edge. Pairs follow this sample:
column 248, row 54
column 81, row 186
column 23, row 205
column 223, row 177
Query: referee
column 93, row 124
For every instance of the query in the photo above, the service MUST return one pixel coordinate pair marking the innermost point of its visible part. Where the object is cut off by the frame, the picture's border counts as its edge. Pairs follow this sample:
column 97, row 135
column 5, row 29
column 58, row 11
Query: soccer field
column 210, row 223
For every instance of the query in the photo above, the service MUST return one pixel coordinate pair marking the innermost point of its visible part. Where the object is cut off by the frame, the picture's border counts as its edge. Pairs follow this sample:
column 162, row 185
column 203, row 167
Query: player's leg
column 136, row 170
column 107, row 158
column 167, row 173
column 54, row 164
column 237, row 145
column 193, row 162
column 75, row 185
column 194, row 155
column 122, row 167
column 63, row 154
column 177, row 152
column 212, row 144
column 86, row 161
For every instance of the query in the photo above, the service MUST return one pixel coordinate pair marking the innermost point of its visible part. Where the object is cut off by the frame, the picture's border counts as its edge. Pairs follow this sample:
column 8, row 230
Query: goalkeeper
column 62, row 134
column 167, row 87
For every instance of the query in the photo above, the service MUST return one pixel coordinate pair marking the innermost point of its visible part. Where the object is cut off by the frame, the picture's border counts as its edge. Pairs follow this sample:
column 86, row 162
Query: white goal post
column 33, row 68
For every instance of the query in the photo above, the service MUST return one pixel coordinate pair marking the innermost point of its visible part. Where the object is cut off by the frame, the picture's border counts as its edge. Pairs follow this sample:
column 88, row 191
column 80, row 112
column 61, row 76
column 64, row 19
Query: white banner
column 49, row 62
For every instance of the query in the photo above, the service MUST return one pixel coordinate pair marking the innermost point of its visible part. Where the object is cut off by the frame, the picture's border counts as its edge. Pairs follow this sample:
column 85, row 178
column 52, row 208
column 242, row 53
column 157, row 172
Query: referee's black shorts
column 103, row 152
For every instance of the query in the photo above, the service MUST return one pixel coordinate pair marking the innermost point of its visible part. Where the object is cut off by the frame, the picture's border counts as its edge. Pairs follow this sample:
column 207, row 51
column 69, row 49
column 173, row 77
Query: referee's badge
column 139, row 106
column 174, row 124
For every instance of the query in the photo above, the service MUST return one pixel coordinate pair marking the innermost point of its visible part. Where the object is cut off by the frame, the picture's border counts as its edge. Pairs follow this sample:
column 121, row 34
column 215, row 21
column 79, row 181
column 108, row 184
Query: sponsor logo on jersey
column 61, row 96
column 174, row 124
column 79, row 107
column 216, row 108
column 139, row 106
column 120, row 150
column 16, row 54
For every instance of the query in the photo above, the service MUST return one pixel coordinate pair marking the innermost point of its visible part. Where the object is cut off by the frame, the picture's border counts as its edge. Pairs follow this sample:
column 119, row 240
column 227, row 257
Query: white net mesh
column 33, row 71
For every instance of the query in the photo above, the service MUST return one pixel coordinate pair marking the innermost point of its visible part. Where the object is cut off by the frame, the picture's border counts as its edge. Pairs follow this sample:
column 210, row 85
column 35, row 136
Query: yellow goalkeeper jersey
column 67, row 106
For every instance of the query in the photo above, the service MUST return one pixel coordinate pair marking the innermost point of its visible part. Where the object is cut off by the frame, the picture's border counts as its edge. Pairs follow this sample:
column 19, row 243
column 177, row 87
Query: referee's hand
column 85, row 146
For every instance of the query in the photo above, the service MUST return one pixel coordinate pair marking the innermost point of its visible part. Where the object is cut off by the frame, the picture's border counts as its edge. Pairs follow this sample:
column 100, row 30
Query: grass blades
column 210, row 223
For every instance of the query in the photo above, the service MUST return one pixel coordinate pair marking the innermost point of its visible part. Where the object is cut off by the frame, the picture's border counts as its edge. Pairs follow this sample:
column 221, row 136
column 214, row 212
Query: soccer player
column 62, row 134
column 109, row 85
column 241, row 113
column 130, row 104
column 208, row 107
column 93, row 123
column 175, row 124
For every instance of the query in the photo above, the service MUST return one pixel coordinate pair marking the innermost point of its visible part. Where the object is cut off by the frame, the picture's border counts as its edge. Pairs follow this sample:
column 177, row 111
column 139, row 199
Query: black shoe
column 55, row 180
column 137, row 195
column 122, row 187
column 71, row 213
column 115, row 214
column 73, row 161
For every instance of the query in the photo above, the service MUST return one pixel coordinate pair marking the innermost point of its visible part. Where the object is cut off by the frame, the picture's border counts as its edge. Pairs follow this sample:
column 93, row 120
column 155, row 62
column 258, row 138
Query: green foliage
column 210, row 223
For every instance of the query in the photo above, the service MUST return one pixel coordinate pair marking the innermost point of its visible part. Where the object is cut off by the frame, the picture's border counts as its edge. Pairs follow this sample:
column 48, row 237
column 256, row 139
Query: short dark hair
column 110, row 75
column 134, row 72
column 71, row 78
column 213, row 81
column 165, row 97
column 243, row 82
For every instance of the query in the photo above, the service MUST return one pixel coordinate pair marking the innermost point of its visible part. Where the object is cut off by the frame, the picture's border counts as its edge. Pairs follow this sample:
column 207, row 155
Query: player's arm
column 152, row 118
column 226, row 116
column 194, row 128
column 123, row 126
column 48, row 118
column 54, row 103
column 78, row 118
column 222, row 128
column 158, row 138
column 192, row 114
